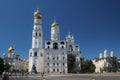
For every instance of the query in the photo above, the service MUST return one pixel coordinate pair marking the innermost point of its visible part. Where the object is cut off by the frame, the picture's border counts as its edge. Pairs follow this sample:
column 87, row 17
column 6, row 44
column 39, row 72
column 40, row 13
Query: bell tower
column 37, row 31
column 36, row 53
column 55, row 33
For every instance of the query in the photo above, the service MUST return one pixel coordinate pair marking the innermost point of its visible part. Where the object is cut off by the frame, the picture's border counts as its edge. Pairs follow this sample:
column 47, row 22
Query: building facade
column 106, row 62
column 13, row 60
column 52, row 58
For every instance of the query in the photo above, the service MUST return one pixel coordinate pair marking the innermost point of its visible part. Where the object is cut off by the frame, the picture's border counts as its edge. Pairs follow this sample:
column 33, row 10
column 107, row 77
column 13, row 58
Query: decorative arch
column 55, row 45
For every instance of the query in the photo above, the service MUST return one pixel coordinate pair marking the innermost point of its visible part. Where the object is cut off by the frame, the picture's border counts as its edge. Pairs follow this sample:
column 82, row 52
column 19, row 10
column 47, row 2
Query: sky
column 95, row 24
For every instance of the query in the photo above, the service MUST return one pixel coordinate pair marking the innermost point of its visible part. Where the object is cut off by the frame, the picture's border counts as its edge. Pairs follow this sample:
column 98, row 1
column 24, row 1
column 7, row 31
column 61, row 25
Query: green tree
column 71, row 62
column 1, row 66
column 7, row 67
column 87, row 66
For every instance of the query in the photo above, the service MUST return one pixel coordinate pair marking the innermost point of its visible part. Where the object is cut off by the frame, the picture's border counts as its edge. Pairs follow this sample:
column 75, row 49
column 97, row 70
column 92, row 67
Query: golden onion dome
column 55, row 24
column 37, row 14
column 11, row 50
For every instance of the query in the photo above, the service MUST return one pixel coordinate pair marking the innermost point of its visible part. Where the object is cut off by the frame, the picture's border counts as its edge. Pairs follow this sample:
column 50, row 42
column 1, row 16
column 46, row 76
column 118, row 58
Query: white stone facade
column 14, row 61
column 53, row 58
column 104, row 60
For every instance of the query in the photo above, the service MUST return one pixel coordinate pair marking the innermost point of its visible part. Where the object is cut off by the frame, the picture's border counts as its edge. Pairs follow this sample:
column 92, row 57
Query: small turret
column 55, row 33
column 112, row 54
column 105, row 53
column 100, row 56
column 70, row 38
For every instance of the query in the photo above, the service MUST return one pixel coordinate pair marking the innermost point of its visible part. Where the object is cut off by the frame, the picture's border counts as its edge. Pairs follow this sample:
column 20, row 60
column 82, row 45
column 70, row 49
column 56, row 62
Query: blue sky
column 95, row 24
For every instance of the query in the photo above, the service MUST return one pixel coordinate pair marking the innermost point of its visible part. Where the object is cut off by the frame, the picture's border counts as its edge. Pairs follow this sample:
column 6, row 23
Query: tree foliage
column 87, row 66
column 71, row 62
column 1, row 65
column 7, row 67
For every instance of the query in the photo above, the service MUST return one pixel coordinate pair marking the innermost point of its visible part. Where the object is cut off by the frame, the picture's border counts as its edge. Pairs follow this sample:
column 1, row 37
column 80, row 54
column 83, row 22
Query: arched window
column 57, row 58
column 39, row 34
column 35, row 54
column 63, row 64
column 62, row 42
column 63, row 58
column 53, row 70
column 57, row 70
column 57, row 64
column 55, row 46
column 48, row 43
column 36, row 33
column 62, row 47
column 70, row 48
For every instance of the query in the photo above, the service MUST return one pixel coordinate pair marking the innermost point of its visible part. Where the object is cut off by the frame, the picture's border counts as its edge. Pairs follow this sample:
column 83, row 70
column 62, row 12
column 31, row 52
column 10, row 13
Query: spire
column 69, row 35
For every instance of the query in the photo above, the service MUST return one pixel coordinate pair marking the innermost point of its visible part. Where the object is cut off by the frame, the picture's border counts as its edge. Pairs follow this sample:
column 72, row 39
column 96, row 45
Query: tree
column 71, row 62
column 7, row 67
column 87, row 66
column 1, row 66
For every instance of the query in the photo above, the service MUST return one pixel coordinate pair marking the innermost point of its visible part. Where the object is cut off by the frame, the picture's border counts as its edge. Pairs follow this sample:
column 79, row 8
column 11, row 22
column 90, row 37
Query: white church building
column 104, row 60
column 53, row 58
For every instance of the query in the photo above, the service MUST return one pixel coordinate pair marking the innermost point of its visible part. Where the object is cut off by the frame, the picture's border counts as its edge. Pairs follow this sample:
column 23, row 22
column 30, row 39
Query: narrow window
column 36, row 33
column 57, row 58
column 63, row 58
column 48, row 47
column 57, row 70
column 57, row 64
column 39, row 34
column 35, row 54
column 70, row 48
column 53, row 70
column 53, row 64
column 63, row 64
column 53, row 58
column 62, row 47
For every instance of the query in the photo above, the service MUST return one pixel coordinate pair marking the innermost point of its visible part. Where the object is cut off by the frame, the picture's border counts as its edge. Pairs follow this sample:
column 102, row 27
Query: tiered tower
column 55, row 33
column 36, row 54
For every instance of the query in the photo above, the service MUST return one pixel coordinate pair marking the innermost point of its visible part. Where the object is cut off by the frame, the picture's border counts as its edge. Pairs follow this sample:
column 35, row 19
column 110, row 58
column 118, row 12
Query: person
column 5, row 76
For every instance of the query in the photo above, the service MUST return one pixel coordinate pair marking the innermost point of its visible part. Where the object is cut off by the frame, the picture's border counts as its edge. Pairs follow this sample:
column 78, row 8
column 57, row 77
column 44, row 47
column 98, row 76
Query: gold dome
column 55, row 24
column 37, row 14
column 11, row 50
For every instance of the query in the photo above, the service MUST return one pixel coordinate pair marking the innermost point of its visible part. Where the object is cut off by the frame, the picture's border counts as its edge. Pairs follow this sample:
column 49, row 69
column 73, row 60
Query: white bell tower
column 37, row 31
column 55, row 33
column 36, row 54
